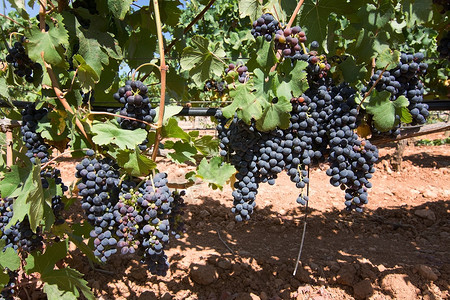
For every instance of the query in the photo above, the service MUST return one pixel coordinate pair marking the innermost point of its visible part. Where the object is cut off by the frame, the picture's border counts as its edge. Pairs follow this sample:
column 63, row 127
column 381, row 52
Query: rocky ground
column 399, row 248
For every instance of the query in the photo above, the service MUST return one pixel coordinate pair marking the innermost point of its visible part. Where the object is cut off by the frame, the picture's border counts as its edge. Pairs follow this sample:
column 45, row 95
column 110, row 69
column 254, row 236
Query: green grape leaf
column 417, row 11
column 170, row 12
column 12, row 180
column 384, row 110
column 76, row 237
column 30, row 200
column 373, row 17
column 215, row 173
column 53, row 126
column 265, row 56
column 68, row 280
column 294, row 82
column 314, row 15
column 276, row 115
column 247, row 104
column 77, row 141
column 387, row 56
column 51, row 43
column 276, row 9
column 207, row 145
column 4, row 92
column 53, row 293
column 43, row 263
column 86, row 74
column 172, row 130
column 201, row 62
column 405, row 115
column 139, row 45
column 9, row 258
column 119, row 8
column 135, row 163
column 183, row 151
column 110, row 133
column 251, row 8
column 351, row 71
column 18, row 4
column 4, row 279
column 169, row 112
column 90, row 58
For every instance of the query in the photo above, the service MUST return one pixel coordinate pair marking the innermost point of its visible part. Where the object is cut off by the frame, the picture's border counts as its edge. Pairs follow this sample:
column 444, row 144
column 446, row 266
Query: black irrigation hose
column 434, row 105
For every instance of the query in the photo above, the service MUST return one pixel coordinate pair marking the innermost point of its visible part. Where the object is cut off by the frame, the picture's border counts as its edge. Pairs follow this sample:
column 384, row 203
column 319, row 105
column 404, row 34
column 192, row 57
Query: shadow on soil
column 340, row 250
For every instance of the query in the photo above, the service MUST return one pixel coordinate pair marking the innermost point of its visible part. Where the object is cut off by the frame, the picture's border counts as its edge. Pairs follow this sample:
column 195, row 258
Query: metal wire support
column 434, row 105
column 304, row 228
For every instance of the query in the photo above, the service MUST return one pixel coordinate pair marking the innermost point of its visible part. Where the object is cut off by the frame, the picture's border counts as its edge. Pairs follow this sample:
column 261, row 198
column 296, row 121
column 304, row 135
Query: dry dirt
column 399, row 248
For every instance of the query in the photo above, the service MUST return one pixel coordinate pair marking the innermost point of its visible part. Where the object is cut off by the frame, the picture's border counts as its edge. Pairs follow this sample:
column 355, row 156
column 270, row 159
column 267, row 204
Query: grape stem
column 163, row 69
column 4, row 16
column 143, row 65
column 372, row 87
column 10, row 36
column 124, row 117
column 297, row 9
column 195, row 20
column 61, row 97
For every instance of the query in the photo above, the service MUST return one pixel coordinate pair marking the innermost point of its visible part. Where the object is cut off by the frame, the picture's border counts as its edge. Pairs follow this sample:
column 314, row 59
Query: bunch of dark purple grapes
column 404, row 80
column 136, row 105
column 18, row 236
column 215, row 86
column 23, row 65
column 291, row 41
column 241, row 69
column 265, row 26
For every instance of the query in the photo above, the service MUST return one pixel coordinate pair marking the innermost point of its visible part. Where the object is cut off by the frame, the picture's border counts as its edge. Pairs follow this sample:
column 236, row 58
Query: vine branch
column 14, row 21
column 61, row 96
column 124, row 117
column 163, row 70
column 195, row 20
column 372, row 87
column 297, row 9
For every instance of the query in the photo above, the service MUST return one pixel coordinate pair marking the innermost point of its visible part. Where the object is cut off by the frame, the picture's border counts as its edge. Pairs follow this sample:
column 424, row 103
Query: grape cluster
column 351, row 159
column 241, row 70
column 444, row 46
column 128, row 218
column 322, row 119
column 176, row 219
column 404, row 80
column 18, row 236
column 265, row 26
column 136, row 105
column 23, row 65
column 216, row 86
column 99, row 189
column 37, row 148
column 33, row 140
column 291, row 41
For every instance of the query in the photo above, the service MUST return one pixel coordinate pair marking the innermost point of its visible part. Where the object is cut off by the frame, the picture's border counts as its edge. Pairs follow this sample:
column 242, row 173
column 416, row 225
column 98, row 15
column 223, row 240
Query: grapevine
column 296, row 90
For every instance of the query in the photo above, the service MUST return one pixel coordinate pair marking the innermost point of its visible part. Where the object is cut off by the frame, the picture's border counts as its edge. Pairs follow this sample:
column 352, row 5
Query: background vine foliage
column 297, row 84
